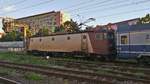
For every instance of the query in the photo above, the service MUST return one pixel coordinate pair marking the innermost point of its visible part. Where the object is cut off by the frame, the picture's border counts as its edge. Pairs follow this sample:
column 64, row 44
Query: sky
column 104, row 11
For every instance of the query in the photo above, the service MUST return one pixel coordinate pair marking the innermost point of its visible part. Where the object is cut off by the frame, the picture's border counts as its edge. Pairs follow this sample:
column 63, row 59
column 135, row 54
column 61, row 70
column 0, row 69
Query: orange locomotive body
column 90, row 43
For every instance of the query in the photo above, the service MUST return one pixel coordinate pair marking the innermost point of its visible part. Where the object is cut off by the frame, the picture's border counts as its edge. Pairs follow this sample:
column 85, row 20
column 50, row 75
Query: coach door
column 84, row 46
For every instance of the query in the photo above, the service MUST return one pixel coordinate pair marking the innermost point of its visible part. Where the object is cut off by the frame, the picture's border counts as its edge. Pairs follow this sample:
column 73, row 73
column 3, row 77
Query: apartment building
column 48, row 20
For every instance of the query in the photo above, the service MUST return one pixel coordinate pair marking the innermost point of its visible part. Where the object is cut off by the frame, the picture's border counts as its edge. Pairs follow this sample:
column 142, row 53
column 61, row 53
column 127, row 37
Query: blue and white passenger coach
column 133, row 41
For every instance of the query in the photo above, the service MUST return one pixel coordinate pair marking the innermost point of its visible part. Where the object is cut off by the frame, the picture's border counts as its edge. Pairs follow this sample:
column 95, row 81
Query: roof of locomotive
column 68, row 33
column 134, row 28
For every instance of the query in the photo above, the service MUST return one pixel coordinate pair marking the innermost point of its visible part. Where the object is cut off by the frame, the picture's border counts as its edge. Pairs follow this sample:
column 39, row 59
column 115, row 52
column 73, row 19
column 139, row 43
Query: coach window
column 124, row 40
column 147, row 36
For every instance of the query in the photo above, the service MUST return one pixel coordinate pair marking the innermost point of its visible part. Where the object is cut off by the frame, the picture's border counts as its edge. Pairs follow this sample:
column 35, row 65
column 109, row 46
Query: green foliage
column 71, row 26
column 68, row 26
column 60, row 29
column 145, row 19
column 33, row 76
column 26, row 75
column 12, row 36
column 43, row 32
column 15, row 35
column 22, row 58
column 29, row 33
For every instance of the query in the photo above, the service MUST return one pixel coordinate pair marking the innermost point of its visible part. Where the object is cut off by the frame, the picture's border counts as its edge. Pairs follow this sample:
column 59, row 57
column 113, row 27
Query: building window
column 68, row 38
column 54, row 23
column 124, row 39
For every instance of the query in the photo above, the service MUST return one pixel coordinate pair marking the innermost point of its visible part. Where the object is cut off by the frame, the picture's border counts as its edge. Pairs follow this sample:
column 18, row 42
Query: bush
column 12, row 36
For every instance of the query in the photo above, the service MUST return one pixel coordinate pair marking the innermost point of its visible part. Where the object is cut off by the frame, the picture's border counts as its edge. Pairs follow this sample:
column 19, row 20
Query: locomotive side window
column 99, row 36
column 124, row 39
column 68, row 38
column 53, row 39
column 105, row 35
column 84, row 36
column 40, row 40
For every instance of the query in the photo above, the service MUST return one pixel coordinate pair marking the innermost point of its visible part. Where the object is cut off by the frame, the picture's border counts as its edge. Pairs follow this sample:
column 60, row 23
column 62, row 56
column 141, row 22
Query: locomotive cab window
column 124, row 39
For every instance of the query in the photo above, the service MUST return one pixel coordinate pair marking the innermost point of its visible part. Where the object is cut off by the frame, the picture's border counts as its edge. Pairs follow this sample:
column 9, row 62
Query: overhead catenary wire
column 124, row 12
column 88, row 5
column 99, row 5
column 72, row 6
column 30, row 6
column 15, row 3
column 76, row 5
column 113, row 7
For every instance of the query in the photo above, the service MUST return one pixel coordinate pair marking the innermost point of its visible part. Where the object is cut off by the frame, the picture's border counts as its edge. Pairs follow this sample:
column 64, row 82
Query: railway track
column 7, row 81
column 142, row 73
column 115, row 65
column 112, row 68
column 89, row 77
column 118, row 64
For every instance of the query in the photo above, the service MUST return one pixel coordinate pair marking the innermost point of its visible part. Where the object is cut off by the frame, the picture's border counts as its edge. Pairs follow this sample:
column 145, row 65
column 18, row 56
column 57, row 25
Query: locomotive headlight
column 47, row 57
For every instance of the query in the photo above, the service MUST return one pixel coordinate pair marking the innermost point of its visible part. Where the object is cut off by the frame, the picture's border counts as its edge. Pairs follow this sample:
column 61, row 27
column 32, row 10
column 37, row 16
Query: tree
column 29, row 33
column 12, row 36
column 70, row 26
column 60, row 29
column 43, row 32
column 145, row 19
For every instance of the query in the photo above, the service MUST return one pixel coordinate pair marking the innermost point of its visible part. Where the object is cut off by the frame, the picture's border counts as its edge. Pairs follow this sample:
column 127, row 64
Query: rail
column 75, row 74
column 7, row 81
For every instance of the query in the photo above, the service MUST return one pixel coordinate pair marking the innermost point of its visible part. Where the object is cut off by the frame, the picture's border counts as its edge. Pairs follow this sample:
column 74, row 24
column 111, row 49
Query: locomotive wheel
column 102, row 58
column 143, row 61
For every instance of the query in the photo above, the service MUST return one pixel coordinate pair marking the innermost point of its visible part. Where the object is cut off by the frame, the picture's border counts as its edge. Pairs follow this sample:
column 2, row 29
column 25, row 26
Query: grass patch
column 22, row 58
column 108, row 71
column 7, row 71
column 32, row 76
column 26, row 75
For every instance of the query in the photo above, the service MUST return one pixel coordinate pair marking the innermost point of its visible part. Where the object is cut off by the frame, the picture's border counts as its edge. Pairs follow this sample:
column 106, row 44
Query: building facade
column 49, row 20
column 7, row 24
column 1, row 34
